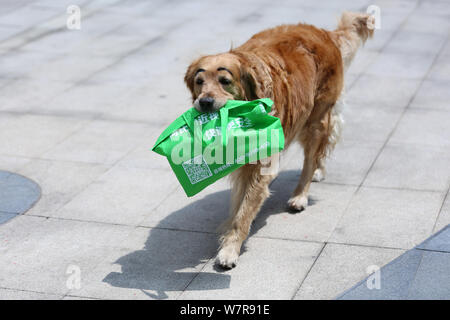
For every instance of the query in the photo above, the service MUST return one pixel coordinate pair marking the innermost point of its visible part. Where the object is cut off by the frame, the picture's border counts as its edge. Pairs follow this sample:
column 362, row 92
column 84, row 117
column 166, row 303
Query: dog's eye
column 199, row 81
column 224, row 81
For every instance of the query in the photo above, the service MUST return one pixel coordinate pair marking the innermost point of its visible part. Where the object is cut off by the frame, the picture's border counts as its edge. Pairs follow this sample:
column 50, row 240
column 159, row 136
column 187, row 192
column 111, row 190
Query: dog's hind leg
column 250, row 189
column 336, row 124
column 315, row 141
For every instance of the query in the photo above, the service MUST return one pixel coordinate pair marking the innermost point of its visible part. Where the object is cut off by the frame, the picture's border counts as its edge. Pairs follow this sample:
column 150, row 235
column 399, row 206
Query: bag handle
column 187, row 118
column 224, row 125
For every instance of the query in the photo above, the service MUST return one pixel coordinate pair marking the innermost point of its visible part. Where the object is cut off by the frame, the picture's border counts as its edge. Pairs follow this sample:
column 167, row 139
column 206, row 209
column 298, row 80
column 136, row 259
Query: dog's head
column 215, row 79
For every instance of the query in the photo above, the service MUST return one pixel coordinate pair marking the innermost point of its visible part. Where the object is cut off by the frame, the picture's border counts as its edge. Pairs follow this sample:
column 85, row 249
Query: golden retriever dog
column 301, row 68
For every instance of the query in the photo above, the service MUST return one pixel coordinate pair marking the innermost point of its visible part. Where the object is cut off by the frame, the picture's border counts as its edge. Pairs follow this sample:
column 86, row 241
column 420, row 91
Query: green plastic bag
column 204, row 147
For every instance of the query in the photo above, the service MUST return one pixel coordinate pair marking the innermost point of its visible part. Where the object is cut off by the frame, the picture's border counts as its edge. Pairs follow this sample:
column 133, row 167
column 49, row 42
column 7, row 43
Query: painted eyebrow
column 199, row 70
column 224, row 69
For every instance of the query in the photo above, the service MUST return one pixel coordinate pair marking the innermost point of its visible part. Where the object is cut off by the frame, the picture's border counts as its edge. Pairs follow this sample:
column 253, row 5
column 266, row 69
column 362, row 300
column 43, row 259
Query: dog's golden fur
column 301, row 68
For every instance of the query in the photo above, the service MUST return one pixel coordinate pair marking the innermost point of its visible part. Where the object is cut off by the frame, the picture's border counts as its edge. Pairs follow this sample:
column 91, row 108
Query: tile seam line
column 309, row 270
column 366, row 246
column 441, row 208
column 431, row 250
column 81, row 296
column 193, row 278
column 78, row 116
column 411, row 282
column 212, row 233
column 31, row 291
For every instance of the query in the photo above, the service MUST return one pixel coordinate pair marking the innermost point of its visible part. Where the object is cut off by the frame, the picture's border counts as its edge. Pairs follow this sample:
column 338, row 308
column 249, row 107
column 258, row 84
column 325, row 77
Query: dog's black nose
column 206, row 103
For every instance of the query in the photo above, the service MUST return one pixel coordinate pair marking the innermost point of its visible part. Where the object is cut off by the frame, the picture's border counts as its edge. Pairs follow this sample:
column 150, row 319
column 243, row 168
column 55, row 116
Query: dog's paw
column 318, row 175
column 227, row 258
column 298, row 203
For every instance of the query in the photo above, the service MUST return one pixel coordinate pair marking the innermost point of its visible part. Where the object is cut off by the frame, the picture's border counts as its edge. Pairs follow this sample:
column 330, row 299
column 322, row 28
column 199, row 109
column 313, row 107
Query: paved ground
column 80, row 110
column 17, row 195
column 420, row 273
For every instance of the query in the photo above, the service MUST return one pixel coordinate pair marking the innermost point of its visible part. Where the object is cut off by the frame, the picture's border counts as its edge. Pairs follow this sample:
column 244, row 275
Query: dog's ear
column 189, row 77
column 250, row 83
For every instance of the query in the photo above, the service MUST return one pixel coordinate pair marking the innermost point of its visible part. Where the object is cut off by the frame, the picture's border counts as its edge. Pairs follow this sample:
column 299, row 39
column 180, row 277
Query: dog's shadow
column 170, row 260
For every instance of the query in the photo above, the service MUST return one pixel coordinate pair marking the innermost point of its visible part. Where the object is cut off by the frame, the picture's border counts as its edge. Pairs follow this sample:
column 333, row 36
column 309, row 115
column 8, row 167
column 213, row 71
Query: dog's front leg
column 250, row 189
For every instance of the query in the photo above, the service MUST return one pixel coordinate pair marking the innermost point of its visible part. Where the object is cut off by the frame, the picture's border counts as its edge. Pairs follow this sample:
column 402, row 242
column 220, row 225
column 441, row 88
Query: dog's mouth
column 209, row 104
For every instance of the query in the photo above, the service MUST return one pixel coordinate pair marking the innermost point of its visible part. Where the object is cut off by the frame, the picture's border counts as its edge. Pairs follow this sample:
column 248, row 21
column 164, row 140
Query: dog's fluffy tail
column 352, row 31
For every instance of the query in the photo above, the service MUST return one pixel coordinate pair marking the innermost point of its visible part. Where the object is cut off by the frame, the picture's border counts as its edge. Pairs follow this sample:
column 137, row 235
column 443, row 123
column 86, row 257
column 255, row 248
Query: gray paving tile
column 68, row 297
column 316, row 223
column 202, row 212
column 23, row 95
column 20, row 63
column 11, row 294
column 402, row 7
column 445, row 51
column 402, row 65
column 47, row 131
column 361, row 61
column 369, row 123
column 408, row 166
column 143, row 157
column 33, row 246
column 350, row 161
column 17, row 193
column 438, row 242
column 434, row 7
column 382, row 217
column 8, row 31
column 347, row 164
column 98, row 24
column 441, row 69
column 59, row 182
column 391, row 21
column 69, row 68
column 339, row 267
column 143, row 268
column 433, row 94
column 122, row 195
column 86, row 100
column 8, row 6
column 379, row 40
column 28, row 15
column 381, row 92
column 17, row 229
column 432, row 281
column 415, row 41
column 425, row 127
column 12, row 164
column 151, row 106
column 394, row 280
column 285, row 264
column 348, row 4
column 112, row 142
column 428, row 23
